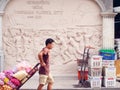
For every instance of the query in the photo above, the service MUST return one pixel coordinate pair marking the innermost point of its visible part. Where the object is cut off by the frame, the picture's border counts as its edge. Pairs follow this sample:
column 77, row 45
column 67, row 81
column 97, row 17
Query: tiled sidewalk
column 61, row 83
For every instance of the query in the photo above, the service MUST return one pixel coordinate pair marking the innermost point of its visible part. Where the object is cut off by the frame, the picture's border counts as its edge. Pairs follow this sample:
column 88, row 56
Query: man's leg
column 49, row 87
column 42, row 81
column 50, row 81
column 40, row 87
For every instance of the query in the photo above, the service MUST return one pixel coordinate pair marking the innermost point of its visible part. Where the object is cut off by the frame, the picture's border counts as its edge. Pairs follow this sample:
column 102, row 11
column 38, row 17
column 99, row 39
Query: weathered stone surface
column 28, row 23
column 108, row 5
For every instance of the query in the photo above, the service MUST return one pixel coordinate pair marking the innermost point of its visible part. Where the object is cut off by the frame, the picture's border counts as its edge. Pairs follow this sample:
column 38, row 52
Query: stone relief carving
column 22, row 44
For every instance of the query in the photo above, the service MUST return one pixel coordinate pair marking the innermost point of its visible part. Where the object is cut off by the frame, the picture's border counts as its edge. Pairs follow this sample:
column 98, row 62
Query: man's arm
column 40, row 56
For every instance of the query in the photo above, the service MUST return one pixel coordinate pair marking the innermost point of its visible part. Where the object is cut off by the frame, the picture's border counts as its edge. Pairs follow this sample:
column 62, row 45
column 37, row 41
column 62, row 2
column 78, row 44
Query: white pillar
column 1, row 49
column 108, row 30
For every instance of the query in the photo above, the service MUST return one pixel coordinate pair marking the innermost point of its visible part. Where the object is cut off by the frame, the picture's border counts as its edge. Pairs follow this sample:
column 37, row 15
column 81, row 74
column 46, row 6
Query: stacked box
column 109, row 74
column 109, row 69
column 95, row 82
column 109, row 81
column 108, row 63
column 108, row 59
column 107, row 54
column 95, row 62
column 95, row 71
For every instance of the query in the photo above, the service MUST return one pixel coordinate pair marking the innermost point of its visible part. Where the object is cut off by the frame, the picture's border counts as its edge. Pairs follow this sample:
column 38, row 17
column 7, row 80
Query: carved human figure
column 75, row 45
column 28, row 45
column 18, row 40
column 63, row 48
column 9, row 44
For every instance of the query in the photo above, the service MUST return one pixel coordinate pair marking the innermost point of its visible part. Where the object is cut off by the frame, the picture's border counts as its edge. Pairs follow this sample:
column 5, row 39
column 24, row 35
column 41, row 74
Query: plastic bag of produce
column 14, row 69
column 2, row 76
column 20, row 75
column 9, row 74
column 11, row 84
column 15, row 81
column 1, row 87
column 6, row 80
column 6, row 87
column 24, row 65
column 1, row 83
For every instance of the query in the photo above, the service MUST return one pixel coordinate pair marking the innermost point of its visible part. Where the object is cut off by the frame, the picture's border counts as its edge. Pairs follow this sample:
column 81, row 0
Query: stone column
column 1, row 48
column 108, row 30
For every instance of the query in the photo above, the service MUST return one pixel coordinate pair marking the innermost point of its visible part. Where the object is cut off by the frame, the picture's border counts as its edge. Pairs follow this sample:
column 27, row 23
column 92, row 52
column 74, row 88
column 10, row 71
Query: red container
column 86, row 75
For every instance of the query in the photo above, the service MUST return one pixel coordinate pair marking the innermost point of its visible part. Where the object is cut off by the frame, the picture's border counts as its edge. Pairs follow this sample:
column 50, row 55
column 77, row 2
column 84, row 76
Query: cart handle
column 37, row 64
column 90, row 47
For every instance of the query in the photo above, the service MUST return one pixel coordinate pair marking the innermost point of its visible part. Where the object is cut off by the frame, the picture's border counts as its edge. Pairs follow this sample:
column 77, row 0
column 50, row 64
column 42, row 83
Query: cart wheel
column 86, row 84
column 80, row 84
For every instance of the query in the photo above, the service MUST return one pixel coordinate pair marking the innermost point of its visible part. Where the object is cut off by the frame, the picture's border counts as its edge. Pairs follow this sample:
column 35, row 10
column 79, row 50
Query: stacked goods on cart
column 95, row 71
column 109, row 69
column 5, row 87
column 12, row 79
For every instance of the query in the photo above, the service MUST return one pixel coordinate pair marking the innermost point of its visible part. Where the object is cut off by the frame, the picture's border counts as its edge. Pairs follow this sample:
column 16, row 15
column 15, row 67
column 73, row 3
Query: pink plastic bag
column 2, row 76
column 1, row 87
column 15, row 81
column 9, row 74
column 6, row 87
column 1, row 82
column 24, row 65
column 11, row 84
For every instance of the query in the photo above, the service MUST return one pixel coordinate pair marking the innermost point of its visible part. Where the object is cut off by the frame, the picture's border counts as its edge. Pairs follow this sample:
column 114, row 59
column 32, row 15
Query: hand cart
column 84, row 64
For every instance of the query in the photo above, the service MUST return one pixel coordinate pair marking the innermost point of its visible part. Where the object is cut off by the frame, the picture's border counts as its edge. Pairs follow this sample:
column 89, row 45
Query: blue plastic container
column 107, row 55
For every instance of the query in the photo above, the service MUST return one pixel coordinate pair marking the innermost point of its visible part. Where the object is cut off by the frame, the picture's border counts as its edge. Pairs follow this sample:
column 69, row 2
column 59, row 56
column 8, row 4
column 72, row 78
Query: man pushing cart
column 14, row 81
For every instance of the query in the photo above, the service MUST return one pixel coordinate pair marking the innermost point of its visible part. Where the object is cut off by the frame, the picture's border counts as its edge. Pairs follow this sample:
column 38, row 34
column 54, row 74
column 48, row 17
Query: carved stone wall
column 71, row 23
